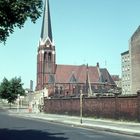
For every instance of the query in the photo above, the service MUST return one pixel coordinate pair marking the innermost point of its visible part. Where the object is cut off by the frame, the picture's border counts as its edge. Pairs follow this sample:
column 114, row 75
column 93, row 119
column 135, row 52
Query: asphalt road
column 14, row 128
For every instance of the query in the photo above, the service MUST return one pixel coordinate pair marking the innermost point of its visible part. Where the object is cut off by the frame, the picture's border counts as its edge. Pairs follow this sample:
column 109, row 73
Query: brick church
column 66, row 80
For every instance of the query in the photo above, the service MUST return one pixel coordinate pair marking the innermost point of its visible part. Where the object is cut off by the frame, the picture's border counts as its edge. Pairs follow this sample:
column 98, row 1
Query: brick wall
column 120, row 107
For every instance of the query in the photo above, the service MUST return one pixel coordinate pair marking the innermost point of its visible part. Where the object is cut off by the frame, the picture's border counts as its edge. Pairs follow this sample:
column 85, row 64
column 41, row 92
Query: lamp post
column 81, row 106
column 18, row 100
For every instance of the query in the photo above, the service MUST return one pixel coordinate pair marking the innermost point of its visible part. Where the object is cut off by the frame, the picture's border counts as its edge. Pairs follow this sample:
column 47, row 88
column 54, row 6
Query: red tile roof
column 65, row 72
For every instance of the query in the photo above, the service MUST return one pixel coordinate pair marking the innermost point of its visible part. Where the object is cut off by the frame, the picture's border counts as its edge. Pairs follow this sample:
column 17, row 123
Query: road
column 14, row 128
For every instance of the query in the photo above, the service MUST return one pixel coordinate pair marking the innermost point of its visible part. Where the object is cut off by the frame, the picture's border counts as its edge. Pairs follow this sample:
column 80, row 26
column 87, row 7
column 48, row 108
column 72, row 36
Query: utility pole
column 81, row 106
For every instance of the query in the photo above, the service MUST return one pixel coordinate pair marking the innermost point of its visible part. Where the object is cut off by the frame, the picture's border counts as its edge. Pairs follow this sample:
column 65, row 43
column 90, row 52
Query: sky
column 84, row 31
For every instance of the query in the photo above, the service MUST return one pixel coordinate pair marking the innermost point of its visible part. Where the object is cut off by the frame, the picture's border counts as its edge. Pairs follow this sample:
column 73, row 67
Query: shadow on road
column 7, row 134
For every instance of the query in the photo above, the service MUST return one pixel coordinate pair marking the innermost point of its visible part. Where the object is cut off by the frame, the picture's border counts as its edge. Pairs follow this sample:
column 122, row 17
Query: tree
column 14, row 13
column 10, row 90
column 5, row 89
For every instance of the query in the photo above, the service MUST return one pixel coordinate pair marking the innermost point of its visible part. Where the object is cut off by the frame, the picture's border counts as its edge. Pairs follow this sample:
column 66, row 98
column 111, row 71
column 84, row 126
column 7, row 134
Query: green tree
column 5, row 89
column 10, row 90
column 14, row 13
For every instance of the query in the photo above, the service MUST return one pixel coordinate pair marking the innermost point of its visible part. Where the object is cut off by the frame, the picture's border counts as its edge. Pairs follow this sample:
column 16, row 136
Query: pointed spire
column 46, row 24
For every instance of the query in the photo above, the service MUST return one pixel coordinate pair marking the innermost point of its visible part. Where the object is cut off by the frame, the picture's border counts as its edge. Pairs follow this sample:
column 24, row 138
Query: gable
column 72, row 79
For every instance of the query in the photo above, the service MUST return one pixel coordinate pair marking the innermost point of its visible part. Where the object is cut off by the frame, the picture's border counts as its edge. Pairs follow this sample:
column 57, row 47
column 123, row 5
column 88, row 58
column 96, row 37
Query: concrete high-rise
column 125, row 60
column 135, row 61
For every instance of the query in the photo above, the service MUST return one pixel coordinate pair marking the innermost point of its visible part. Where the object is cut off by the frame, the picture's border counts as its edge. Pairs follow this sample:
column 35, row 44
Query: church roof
column 46, row 31
column 78, row 74
column 106, row 77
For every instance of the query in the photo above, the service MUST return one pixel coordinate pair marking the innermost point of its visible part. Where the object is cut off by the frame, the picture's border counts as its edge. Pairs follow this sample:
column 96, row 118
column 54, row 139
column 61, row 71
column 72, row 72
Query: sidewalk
column 129, row 128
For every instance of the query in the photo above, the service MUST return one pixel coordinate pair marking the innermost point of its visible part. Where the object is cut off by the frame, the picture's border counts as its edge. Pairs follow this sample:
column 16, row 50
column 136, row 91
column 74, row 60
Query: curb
column 95, row 127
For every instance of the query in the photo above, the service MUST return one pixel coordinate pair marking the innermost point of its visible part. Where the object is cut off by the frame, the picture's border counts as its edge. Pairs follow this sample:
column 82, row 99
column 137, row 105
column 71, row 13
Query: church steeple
column 46, row 31
column 46, row 65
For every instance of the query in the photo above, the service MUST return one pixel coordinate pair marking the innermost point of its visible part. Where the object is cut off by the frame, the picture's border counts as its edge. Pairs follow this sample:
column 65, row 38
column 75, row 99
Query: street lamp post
column 81, row 106
column 18, row 100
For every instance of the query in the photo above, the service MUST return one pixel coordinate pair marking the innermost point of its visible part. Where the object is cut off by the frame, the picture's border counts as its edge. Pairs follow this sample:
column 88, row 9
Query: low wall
column 121, row 107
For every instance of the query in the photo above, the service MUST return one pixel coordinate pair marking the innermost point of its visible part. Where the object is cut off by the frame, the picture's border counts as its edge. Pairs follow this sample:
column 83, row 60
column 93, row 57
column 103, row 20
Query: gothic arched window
column 45, row 56
column 49, row 56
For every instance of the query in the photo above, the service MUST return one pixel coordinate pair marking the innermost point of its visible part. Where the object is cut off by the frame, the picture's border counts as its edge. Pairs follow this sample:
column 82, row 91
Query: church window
column 45, row 56
column 49, row 56
column 51, row 79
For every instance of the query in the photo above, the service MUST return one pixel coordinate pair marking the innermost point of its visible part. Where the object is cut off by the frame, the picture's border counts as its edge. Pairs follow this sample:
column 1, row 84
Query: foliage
column 11, row 89
column 5, row 89
column 14, row 13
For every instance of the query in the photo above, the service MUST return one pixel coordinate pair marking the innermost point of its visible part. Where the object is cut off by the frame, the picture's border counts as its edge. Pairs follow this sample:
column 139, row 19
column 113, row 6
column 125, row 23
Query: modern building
column 131, row 65
column 66, row 80
column 135, row 61
column 125, row 62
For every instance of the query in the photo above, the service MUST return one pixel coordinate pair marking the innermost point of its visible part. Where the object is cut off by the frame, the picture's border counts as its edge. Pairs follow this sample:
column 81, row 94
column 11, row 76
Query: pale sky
column 84, row 31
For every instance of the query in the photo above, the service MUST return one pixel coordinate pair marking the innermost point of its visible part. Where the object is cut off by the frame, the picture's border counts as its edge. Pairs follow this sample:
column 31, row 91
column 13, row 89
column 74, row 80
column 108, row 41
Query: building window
column 45, row 56
column 49, row 56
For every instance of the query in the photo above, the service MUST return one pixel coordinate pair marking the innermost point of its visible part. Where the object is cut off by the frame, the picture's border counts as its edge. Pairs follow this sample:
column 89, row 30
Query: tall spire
column 46, row 31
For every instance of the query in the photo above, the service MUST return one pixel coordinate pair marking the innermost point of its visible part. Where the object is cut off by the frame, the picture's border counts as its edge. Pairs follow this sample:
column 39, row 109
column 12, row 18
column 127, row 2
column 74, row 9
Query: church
column 66, row 80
